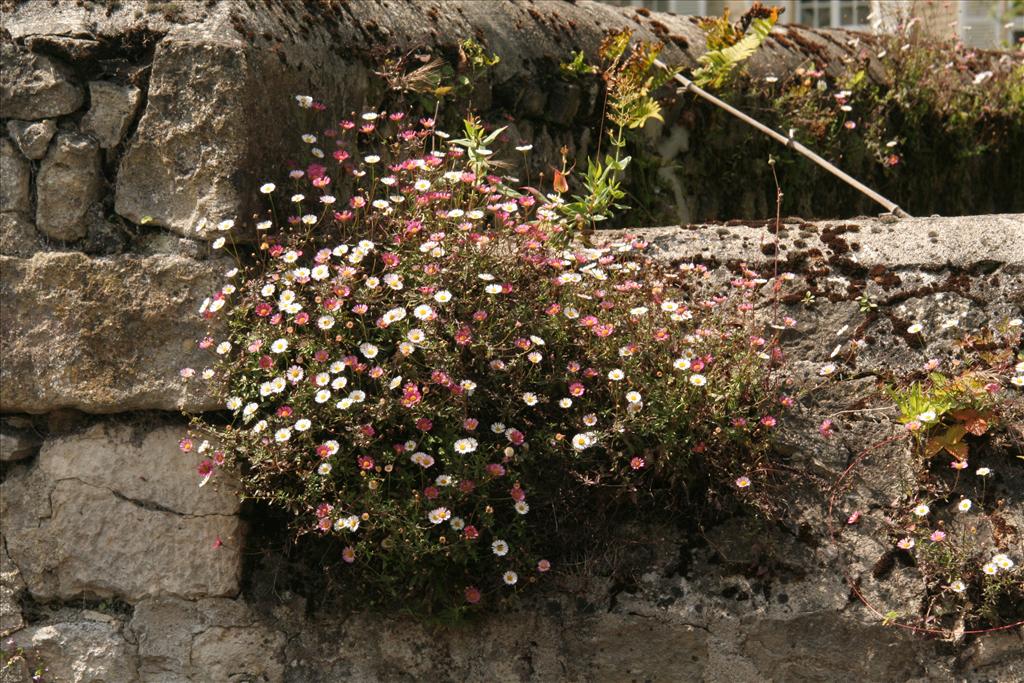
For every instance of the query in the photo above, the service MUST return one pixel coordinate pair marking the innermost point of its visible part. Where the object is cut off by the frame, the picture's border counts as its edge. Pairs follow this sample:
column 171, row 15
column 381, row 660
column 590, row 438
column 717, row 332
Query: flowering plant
column 954, row 527
column 426, row 363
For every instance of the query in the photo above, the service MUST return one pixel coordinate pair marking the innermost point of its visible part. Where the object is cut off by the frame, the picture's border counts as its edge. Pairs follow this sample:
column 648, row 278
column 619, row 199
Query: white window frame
column 834, row 7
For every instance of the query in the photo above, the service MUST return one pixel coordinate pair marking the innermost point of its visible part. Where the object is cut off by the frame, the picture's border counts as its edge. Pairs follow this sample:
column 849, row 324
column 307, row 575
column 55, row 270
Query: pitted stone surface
column 32, row 137
column 18, row 236
column 33, row 86
column 15, row 176
column 117, row 512
column 112, row 108
column 83, row 651
column 69, row 183
column 103, row 334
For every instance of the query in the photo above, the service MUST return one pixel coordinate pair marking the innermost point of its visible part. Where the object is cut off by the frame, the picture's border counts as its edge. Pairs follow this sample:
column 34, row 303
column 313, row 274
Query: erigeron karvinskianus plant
column 954, row 528
column 429, row 370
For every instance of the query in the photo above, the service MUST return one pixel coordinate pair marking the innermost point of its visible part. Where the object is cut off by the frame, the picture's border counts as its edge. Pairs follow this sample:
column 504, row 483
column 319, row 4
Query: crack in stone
column 150, row 505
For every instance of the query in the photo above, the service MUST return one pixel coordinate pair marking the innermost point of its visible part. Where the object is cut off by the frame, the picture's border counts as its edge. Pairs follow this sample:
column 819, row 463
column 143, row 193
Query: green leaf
column 719, row 64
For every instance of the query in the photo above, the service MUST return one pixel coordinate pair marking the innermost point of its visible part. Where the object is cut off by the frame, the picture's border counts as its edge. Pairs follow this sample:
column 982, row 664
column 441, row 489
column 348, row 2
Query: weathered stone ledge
column 961, row 242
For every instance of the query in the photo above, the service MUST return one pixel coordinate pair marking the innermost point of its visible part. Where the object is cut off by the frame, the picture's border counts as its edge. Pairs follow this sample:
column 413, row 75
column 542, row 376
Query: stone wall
column 149, row 116
column 115, row 567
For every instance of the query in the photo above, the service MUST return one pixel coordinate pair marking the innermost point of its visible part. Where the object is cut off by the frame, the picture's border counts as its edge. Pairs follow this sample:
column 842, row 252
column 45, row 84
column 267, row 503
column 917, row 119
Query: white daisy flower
column 422, row 459
column 464, row 446
column 439, row 515
column 582, row 441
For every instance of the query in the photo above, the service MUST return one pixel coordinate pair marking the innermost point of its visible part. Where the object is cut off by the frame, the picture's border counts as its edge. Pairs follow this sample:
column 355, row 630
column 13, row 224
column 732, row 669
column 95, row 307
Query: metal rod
column 788, row 142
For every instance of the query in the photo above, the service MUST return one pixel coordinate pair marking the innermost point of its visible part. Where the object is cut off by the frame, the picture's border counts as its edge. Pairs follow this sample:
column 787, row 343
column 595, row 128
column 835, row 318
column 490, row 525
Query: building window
column 825, row 13
column 686, row 7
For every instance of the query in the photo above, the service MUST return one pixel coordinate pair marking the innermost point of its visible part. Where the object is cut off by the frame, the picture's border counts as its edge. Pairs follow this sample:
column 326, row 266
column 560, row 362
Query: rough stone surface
column 69, row 183
column 117, row 512
column 15, row 177
column 32, row 137
column 112, row 109
column 18, row 236
column 79, row 652
column 860, row 243
column 102, row 335
column 33, row 86
column 205, row 640
column 11, row 587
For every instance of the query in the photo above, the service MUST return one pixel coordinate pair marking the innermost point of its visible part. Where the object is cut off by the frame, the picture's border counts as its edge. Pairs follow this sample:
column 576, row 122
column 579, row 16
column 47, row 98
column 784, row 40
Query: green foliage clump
column 425, row 367
column 952, row 525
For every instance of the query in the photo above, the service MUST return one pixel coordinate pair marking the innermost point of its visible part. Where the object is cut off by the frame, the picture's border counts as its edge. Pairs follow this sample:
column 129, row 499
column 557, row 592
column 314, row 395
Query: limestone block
column 32, row 137
column 104, row 334
column 79, row 651
column 11, row 587
column 180, row 167
column 207, row 640
column 141, row 464
column 112, row 108
column 18, row 236
column 15, row 177
column 117, row 512
column 69, row 183
column 34, row 87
